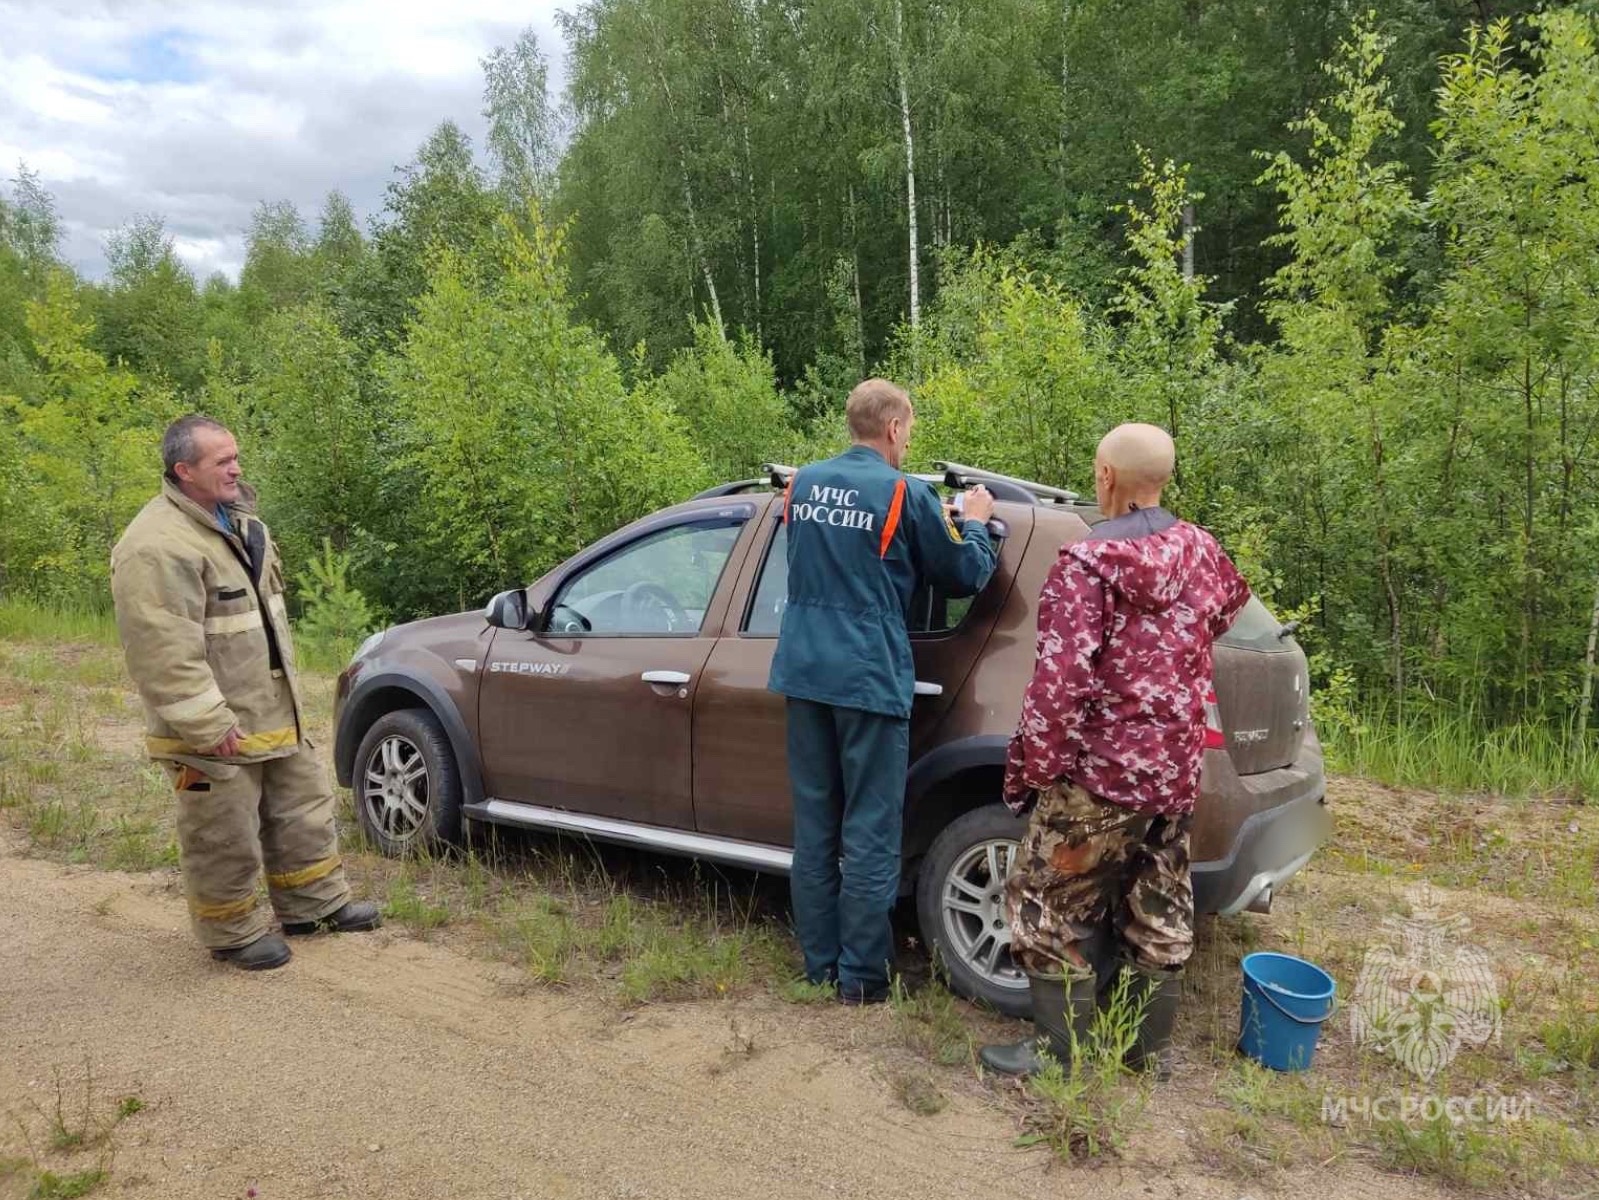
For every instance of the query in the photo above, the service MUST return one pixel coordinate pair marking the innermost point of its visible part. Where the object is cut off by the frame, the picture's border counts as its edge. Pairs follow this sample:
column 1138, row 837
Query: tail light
column 1214, row 738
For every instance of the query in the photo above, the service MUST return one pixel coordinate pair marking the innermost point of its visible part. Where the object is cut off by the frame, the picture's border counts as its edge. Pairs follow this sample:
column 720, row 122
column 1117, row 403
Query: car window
column 932, row 612
column 660, row 584
column 1256, row 629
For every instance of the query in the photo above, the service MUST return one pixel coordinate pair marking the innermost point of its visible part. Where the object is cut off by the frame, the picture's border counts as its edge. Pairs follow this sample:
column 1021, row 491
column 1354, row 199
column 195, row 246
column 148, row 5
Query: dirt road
column 384, row 1066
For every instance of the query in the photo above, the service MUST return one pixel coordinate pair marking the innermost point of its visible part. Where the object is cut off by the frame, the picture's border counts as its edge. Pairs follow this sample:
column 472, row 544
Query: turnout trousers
column 233, row 819
column 1087, row 867
column 847, row 777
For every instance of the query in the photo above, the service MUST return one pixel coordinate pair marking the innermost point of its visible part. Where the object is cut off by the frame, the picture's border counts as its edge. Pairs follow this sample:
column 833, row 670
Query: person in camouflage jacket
column 199, row 601
column 1106, row 756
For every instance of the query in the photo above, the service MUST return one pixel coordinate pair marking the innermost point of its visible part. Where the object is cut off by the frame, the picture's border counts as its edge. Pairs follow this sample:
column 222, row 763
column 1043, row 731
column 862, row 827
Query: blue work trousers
column 846, row 772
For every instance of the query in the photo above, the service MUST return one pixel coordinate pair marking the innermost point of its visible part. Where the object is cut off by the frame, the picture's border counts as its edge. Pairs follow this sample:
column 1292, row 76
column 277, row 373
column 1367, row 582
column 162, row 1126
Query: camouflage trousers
column 1088, row 867
column 235, row 818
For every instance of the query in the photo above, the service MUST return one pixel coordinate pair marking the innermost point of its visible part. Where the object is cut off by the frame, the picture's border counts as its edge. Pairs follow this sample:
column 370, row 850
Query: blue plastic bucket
column 1286, row 999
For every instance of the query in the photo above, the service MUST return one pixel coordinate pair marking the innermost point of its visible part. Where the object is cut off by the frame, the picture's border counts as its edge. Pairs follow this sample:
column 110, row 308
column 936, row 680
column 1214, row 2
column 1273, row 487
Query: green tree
column 524, row 133
column 441, row 200
column 89, row 455
column 30, row 235
column 339, row 249
column 519, row 443
column 1017, row 378
column 726, row 393
column 1344, row 209
column 1170, row 335
column 149, row 317
column 1512, row 341
column 279, row 271
column 317, row 458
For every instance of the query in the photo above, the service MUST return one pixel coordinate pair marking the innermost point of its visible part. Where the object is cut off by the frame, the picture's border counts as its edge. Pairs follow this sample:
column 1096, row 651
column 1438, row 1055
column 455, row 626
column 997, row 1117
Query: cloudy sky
column 199, row 111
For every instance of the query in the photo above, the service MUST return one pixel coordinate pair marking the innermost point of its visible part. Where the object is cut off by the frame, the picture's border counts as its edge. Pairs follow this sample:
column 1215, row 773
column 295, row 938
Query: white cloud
column 200, row 111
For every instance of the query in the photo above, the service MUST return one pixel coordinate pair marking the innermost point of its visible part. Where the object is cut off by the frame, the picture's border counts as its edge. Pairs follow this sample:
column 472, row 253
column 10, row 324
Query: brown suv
column 623, row 697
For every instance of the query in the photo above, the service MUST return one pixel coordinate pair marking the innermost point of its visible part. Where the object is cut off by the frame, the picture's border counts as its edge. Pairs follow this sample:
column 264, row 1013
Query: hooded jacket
column 204, row 629
column 1126, row 622
column 861, row 536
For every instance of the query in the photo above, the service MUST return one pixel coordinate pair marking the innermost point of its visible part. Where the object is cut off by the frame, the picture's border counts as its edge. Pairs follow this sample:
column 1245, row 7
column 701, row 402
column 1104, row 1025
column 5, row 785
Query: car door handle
column 923, row 688
column 674, row 678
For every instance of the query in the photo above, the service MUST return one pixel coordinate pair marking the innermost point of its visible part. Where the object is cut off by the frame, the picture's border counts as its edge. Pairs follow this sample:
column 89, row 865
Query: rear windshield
column 1257, row 629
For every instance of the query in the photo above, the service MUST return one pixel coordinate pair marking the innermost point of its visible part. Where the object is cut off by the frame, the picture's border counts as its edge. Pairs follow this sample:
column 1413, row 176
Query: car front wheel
column 407, row 788
column 960, row 904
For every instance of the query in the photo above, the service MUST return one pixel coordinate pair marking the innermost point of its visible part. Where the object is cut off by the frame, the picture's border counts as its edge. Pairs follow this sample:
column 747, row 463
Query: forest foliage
column 1346, row 255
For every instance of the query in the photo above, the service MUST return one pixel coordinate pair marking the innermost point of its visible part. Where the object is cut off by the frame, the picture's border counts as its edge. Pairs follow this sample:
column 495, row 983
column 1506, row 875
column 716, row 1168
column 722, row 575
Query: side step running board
column 756, row 855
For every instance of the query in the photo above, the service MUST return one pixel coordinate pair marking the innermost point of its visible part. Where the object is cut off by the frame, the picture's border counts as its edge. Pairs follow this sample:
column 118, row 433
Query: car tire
column 406, row 786
column 960, row 906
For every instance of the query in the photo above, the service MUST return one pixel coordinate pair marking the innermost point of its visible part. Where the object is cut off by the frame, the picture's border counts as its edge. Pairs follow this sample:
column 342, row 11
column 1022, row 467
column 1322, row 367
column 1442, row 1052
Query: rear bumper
column 1270, row 847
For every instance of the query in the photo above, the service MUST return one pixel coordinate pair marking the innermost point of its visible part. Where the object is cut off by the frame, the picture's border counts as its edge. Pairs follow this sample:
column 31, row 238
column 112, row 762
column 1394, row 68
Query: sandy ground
column 384, row 1066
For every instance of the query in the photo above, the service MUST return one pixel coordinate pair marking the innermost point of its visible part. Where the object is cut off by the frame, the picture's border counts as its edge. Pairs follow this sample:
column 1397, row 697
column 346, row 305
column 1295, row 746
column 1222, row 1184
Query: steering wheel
column 643, row 600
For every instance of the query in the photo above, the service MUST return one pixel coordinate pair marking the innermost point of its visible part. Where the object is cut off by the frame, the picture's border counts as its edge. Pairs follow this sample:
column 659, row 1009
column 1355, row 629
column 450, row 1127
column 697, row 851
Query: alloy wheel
column 394, row 788
column 972, row 904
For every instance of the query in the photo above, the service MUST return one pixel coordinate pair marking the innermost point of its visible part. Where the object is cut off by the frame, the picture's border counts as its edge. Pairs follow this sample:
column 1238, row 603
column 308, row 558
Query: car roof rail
column 1004, row 487
column 954, row 475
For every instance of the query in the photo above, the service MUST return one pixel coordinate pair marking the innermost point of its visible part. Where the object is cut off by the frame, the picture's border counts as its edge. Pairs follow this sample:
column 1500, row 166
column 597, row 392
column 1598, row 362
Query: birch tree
column 524, row 132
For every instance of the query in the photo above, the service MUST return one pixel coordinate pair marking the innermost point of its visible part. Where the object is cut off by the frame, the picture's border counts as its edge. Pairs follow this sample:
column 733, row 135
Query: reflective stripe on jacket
column 861, row 537
column 205, row 631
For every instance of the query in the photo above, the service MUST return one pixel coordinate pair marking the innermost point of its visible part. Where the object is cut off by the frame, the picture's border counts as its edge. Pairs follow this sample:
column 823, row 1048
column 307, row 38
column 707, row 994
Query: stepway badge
column 529, row 668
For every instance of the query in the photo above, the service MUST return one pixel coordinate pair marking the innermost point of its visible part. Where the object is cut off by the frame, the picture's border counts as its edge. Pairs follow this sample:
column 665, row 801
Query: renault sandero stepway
column 622, row 697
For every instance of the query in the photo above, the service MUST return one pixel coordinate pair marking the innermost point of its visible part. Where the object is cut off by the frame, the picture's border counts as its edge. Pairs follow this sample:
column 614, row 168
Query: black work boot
column 1164, row 991
column 263, row 954
column 353, row 916
column 1063, row 1011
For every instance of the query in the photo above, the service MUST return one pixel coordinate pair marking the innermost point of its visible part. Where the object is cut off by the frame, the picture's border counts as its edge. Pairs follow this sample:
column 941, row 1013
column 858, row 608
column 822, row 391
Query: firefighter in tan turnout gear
column 199, row 599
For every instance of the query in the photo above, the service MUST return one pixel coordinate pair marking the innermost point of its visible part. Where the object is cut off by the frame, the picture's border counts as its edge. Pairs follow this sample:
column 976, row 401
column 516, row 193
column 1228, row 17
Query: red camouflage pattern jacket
column 1126, row 622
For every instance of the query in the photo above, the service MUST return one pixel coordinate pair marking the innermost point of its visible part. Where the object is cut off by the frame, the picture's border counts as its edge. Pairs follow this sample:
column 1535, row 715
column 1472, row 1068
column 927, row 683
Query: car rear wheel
column 960, row 904
column 407, row 788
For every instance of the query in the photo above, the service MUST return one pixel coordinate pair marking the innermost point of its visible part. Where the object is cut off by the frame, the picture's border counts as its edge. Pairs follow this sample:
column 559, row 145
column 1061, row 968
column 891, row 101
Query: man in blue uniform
column 861, row 537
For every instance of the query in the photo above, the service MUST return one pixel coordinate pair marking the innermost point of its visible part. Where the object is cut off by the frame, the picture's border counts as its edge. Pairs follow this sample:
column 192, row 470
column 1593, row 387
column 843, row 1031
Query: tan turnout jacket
column 205, row 630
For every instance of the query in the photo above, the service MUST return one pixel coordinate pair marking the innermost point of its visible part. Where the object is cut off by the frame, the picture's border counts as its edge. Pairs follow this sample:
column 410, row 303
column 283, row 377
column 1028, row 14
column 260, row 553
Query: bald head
column 1133, row 463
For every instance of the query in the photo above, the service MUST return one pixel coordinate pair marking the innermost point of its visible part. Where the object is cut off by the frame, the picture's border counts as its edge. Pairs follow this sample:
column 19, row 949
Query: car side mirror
column 508, row 610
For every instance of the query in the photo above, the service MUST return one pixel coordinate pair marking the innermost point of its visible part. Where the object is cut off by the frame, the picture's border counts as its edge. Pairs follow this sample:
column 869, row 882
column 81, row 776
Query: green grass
column 1573, row 1038
column 1484, row 1156
column 1253, row 1089
column 1086, row 1107
column 539, row 933
column 24, row 621
column 647, row 950
column 320, row 658
column 676, row 952
column 75, row 1124
column 139, row 845
column 929, row 1021
column 409, row 907
column 50, row 1186
column 802, row 991
column 1456, row 751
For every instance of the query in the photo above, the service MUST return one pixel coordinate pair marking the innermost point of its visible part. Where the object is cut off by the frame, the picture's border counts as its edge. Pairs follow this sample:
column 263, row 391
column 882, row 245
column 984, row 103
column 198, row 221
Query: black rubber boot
column 1164, row 992
column 1062, row 1010
column 353, row 916
column 263, row 954
column 1100, row 950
